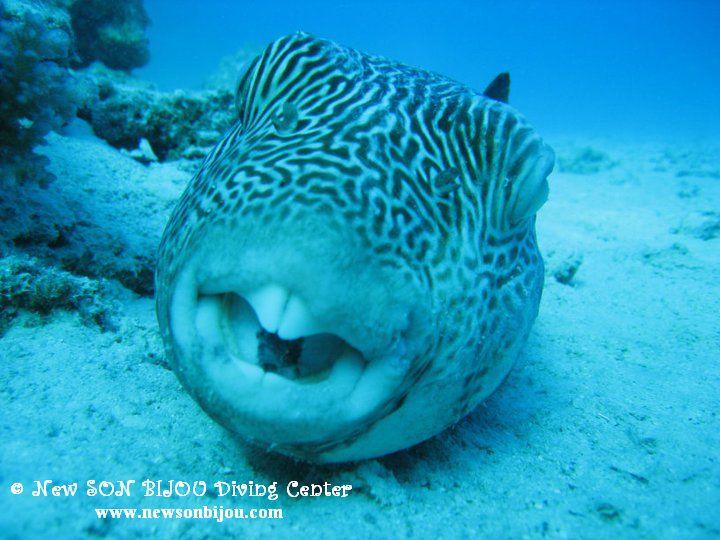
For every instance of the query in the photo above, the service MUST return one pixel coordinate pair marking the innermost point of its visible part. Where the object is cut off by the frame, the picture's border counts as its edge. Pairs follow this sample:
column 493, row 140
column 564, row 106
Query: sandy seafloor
column 608, row 426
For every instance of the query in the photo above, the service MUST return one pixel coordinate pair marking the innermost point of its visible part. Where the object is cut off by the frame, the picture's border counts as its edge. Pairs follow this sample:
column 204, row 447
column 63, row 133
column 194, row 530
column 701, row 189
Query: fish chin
column 295, row 364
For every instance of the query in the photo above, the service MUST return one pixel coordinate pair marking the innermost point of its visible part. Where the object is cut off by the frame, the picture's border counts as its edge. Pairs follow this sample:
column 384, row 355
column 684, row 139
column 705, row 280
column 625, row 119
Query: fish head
column 320, row 282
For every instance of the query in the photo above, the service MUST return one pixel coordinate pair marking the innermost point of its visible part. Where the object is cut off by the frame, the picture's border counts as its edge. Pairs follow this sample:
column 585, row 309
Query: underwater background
column 639, row 69
column 608, row 425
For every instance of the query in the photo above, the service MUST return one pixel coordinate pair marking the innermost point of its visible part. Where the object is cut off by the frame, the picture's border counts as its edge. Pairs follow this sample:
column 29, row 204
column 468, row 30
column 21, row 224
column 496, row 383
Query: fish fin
column 499, row 88
column 513, row 163
column 528, row 188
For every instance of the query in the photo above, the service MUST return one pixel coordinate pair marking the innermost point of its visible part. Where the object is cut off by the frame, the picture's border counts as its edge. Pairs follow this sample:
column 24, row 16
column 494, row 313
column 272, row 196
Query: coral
column 179, row 124
column 37, row 92
column 585, row 160
column 39, row 42
column 110, row 31
column 27, row 284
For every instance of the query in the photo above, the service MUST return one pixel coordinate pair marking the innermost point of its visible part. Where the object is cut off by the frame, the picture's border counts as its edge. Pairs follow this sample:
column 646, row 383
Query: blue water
column 640, row 69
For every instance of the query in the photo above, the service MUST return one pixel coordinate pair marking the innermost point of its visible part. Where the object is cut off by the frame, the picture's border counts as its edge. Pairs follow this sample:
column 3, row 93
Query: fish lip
column 264, row 406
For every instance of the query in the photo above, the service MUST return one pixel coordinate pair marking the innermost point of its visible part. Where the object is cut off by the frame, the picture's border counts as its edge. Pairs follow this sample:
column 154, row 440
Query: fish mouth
column 273, row 367
column 272, row 333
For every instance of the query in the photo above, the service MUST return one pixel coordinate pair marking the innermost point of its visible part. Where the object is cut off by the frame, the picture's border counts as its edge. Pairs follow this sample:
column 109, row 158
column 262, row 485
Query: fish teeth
column 297, row 321
column 269, row 304
column 281, row 313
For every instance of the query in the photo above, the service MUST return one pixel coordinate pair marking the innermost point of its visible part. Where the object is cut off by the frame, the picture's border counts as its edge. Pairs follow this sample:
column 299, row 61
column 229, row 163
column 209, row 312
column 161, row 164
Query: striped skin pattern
column 437, row 185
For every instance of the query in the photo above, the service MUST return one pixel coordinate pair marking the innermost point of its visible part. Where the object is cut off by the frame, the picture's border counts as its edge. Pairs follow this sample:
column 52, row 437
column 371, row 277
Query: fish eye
column 286, row 119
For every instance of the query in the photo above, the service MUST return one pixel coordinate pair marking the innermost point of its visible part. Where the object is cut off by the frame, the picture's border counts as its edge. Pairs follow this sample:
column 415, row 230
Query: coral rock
column 111, row 32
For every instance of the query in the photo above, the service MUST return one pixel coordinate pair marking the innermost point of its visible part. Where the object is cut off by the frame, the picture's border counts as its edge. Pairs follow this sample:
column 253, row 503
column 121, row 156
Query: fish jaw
column 300, row 344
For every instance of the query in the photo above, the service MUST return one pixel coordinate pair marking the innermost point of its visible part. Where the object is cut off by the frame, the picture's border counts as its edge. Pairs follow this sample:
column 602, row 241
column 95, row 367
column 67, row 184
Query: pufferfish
column 354, row 267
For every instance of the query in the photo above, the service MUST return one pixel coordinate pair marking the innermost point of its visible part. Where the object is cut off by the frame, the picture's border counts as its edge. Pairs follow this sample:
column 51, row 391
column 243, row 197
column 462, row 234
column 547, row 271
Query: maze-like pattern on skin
column 439, row 182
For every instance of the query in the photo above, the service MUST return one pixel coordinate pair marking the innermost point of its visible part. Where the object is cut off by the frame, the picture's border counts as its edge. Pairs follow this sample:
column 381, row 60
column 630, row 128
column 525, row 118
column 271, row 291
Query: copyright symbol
column 16, row 488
